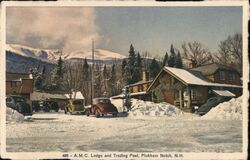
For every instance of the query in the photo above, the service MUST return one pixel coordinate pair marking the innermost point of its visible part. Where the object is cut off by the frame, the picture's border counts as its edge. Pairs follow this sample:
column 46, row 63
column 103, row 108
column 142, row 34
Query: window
column 141, row 88
column 194, row 92
column 15, row 83
column 231, row 77
column 222, row 75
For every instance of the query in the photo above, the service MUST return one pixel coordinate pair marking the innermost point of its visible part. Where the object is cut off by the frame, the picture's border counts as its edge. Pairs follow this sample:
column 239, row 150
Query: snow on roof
column 189, row 78
column 224, row 93
column 36, row 96
column 118, row 96
column 138, row 93
column 75, row 95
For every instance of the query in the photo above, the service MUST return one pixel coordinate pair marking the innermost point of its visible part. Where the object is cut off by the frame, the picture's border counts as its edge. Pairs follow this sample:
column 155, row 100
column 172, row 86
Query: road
column 59, row 132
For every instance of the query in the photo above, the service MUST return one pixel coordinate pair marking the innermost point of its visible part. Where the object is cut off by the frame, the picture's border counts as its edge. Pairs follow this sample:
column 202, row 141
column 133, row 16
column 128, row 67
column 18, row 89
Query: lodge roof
column 189, row 78
column 211, row 68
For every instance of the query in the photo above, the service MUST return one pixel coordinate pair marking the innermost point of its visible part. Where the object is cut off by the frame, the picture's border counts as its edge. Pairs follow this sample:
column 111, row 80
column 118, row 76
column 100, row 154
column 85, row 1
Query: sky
column 151, row 29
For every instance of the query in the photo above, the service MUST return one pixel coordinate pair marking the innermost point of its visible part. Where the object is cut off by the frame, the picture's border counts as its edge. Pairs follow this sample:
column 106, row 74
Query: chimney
column 193, row 64
column 145, row 76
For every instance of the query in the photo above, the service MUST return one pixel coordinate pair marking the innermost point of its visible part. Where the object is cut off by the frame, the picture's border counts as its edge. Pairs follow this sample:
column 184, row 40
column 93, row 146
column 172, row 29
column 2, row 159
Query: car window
column 212, row 100
column 104, row 100
column 77, row 102
column 19, row 99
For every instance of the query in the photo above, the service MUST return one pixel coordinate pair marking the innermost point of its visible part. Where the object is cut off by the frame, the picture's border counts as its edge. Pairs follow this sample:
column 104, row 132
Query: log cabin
column 188, row 88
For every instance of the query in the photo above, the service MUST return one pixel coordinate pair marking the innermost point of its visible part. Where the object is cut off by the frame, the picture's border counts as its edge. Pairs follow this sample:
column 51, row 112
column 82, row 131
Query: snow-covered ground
column 60, row 132
column 150, row 127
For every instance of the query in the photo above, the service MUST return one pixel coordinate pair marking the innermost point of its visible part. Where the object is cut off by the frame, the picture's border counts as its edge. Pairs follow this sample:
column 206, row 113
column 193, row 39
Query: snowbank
column 13, row 116
column 231, row 110
column 145, row 108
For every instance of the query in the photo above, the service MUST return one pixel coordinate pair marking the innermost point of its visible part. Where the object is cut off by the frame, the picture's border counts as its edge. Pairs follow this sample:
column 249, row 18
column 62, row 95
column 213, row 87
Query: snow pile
column 146, row 108
column 13, row 116
column 231, row 110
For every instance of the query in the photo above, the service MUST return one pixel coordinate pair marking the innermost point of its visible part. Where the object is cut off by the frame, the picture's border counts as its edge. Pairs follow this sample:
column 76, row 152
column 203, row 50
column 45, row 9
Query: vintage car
column 75, row 106
column 45, row 105
column 19, row 104
column 211, row 102
column 101, row 107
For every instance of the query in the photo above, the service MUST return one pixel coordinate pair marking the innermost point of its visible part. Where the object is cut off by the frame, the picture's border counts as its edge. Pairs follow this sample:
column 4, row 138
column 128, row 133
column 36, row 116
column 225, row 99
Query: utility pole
column 92, row 73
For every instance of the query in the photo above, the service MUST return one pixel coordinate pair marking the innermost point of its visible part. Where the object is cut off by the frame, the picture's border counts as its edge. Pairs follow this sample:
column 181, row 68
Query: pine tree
column 171, row 60
column 113, row 73
column 132, row 56
column 124, row 64
column 154, row 68
column 138, row 68
column 59, row 68
column 178, row 61
column 105, row 72
column 165, row 60
column 85, row 70
column 58, row 73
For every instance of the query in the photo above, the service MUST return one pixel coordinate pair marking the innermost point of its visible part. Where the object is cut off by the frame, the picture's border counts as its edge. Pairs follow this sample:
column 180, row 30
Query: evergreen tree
column 113, row 73
column 138, row 68
column 85, row 70
column 154, row 68
column 165, row 60
column 124, row 64
column 132, row 56
column 58, row 73
column 59, row 68
column 178, row 61
column 172, row 57
column 105, row 72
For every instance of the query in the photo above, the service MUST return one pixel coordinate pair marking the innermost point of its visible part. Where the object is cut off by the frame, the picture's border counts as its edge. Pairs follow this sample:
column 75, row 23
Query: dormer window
column 231, row 77
column 222, row 75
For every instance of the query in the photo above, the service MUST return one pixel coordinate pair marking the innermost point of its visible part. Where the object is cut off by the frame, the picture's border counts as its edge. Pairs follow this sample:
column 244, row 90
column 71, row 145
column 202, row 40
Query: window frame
column 231, row 77
column 222, row 75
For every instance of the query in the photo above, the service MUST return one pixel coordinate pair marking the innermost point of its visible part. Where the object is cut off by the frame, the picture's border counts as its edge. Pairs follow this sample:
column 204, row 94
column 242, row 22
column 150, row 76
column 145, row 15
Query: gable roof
column 188, row 78
column 211, row 68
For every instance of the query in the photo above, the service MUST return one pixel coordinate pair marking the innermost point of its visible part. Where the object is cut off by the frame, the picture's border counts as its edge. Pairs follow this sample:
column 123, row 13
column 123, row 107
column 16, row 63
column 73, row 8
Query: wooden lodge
column 188, row 88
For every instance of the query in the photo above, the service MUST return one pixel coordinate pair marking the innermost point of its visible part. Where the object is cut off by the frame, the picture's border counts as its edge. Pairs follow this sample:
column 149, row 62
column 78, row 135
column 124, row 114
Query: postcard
column 124, row 80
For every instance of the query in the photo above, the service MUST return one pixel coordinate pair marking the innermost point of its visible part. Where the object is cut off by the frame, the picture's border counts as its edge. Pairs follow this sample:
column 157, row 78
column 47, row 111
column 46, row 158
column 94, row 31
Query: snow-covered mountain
column 52, row 56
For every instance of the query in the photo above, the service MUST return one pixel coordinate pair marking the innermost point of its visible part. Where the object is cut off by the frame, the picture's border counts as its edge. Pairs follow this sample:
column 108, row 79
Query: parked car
column 75, row 106
column 101, row 107
column 45, row 105
column 19, row 104
column 211, row 102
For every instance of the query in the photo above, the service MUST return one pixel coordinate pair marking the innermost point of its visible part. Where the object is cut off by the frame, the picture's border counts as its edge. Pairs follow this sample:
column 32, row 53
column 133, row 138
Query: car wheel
column 97, row 113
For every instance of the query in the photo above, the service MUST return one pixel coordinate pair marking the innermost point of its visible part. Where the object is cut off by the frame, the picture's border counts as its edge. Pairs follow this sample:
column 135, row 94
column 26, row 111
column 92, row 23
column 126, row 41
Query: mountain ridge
column 52, row 55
